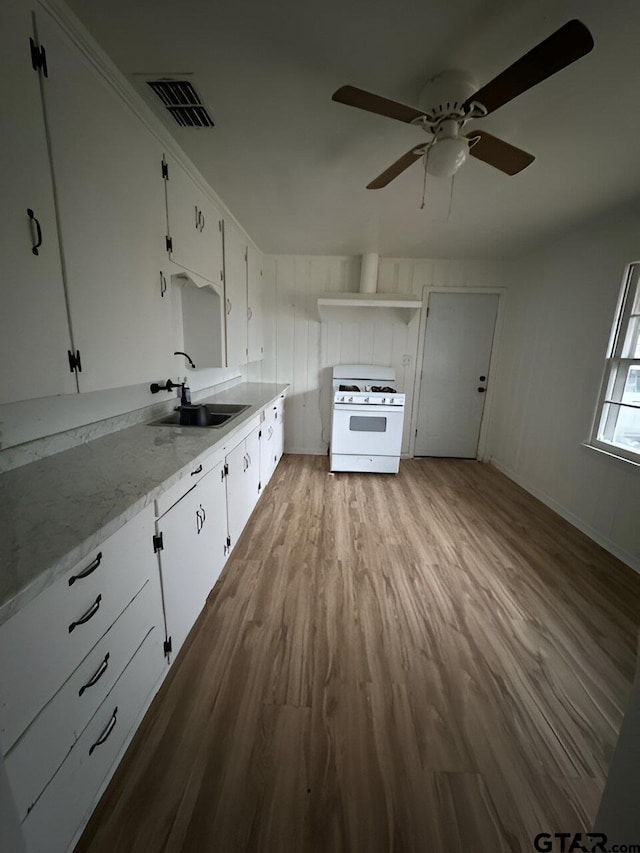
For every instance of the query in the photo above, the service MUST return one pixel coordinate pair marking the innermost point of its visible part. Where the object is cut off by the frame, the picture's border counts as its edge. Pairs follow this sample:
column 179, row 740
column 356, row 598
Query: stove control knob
column 391, row 401
column 366, row 399
column 383, row 401
column 351, row 399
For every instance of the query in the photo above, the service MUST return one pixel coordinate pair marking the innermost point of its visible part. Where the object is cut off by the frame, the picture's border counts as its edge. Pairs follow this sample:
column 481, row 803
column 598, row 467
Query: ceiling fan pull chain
column 424, row 182
column 453, row 177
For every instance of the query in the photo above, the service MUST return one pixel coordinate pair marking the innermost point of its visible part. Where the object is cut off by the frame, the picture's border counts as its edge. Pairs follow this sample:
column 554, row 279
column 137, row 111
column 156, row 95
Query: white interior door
column 455, row 368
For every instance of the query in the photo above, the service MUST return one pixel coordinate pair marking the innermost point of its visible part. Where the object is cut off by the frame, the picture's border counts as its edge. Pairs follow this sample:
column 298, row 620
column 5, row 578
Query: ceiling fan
column 452, row 99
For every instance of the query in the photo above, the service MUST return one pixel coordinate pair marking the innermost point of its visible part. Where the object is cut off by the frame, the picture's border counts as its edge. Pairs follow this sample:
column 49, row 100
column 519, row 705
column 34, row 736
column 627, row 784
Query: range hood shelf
column 331, row 301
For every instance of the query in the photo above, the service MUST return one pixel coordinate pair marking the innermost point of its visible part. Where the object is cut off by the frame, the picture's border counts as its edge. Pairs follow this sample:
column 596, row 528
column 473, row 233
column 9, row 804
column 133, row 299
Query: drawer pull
column 86, row 572
column 105, row 734
column 197, row 470
column 96, row 676
column 91, row 612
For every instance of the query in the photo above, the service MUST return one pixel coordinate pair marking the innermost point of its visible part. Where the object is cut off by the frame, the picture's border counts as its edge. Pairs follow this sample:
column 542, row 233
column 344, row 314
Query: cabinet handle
column 197, row 470
column 198, row 522
column 228, row 307
column 197, row 218
column 38, row 242
column 204, row 515
column 202, row 221
column 249, row 313
column 249, row 458
column 91, row 612
column 163, row 284
column 105, row 734
column 86, row 572
column 246, row 464
column 96, row 676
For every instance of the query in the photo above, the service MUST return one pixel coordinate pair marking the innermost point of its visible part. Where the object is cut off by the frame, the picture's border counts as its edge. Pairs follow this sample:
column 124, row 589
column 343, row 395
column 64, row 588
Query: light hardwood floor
column 427, row 662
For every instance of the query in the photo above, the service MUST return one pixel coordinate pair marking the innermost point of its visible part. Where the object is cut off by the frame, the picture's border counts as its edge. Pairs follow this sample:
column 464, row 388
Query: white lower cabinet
column 80, row 662
column 38, row 754
column 271, row 440
column 54, row 819
column 91, row 642
column 243, row 481
column 192, row 551
column 45, row 641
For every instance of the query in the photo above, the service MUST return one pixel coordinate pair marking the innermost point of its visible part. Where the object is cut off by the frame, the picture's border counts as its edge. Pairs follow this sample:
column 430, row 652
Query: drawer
column 45, row 641
column 174, row 493
column 59, row 812
column 40, row 751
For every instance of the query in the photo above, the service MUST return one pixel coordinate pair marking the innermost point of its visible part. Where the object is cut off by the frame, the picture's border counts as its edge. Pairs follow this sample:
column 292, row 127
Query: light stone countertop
column 56, row 510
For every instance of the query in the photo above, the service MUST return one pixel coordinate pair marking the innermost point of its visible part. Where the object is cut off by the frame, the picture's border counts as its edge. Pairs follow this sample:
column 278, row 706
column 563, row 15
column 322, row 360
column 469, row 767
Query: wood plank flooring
column 428, row 662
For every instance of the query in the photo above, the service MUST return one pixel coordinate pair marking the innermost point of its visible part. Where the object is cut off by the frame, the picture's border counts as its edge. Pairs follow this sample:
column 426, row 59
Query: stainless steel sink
column 218, row 414
column 226, row 408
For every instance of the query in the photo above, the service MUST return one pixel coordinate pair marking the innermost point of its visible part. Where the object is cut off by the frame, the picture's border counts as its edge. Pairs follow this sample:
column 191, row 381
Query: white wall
column 300, row 349
column 558, row 317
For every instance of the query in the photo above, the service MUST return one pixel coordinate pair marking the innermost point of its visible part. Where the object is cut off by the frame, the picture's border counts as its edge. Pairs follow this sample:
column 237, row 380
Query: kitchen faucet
column 179, row 352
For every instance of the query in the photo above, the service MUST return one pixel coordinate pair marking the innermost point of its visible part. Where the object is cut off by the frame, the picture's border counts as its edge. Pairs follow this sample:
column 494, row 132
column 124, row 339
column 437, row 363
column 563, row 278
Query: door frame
column 427, row 290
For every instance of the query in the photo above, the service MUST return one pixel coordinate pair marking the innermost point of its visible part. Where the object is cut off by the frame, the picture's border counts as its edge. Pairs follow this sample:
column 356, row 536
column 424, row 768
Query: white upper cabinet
column 34, row 332
column 235, row 291
column 255, row 339
column 111, row 203
column 195, row 225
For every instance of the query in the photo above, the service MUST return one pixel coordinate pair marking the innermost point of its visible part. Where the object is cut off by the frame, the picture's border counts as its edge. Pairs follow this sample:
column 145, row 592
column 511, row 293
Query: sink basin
column 218, row 414
column 225, row 408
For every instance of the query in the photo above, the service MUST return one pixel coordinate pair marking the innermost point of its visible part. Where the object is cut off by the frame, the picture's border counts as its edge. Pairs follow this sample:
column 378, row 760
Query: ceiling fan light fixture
column 446, row 156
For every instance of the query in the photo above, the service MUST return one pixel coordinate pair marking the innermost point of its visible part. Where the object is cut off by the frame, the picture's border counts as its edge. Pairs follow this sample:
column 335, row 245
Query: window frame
column 616, row 370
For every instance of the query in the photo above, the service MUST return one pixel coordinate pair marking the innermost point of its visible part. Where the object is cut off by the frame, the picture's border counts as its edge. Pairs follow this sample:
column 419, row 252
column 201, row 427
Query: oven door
column 374, row 430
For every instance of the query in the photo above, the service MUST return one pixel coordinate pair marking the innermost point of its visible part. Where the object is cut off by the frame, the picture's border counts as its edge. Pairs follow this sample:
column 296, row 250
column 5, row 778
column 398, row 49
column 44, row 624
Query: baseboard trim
column 627, row 558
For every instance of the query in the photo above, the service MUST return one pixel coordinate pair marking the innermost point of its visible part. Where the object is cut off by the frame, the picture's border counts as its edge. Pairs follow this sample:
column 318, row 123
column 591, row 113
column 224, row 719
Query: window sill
column 610, row 450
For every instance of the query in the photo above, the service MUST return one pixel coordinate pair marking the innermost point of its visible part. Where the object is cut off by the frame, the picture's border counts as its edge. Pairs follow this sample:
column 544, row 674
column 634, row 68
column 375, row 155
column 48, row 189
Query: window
column 617, row 423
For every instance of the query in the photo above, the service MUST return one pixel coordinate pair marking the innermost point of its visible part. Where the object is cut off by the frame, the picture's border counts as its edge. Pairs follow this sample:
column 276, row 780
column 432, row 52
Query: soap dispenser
column 185, row 396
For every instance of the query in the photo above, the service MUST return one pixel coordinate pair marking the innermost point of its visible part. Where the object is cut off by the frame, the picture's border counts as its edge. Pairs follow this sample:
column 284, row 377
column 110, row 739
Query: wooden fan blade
column 566, row 45
column 496, row 152
column 353, row 97
column 397, row 168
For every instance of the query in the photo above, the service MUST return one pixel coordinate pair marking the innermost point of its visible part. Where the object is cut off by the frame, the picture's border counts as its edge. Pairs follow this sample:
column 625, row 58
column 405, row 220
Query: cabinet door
column 255, row 305
column 34, row 331
column 266, row 451
column 237, row 503
column 188, row 542
column 213, row 499
column 235, row 291
column 107, row 169
column 252, row 474
column 278, row 427
column 194, row 225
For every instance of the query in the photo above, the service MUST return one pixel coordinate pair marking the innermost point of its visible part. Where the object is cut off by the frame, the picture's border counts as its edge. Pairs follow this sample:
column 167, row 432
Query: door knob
column 482, row 378
column 481, row 390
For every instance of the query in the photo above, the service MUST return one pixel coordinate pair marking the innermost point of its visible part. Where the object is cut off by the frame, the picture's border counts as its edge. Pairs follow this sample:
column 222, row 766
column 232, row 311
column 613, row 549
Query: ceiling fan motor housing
column 446, row 93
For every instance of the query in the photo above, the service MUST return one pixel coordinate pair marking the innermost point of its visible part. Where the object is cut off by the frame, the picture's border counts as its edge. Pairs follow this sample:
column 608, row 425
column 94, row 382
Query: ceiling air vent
column 182, row 101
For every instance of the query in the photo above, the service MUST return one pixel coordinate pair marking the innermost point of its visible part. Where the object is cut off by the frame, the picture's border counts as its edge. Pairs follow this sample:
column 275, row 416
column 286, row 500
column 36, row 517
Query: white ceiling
column 292, row 165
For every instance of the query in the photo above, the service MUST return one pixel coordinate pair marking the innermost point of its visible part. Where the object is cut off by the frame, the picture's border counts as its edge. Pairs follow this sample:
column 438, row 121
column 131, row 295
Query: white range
column 367, row 419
